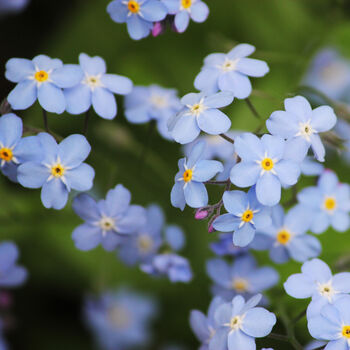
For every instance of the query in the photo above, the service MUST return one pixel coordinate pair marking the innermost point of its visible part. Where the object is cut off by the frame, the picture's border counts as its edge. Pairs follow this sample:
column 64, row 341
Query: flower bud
column 201, row 214
column 158, row 29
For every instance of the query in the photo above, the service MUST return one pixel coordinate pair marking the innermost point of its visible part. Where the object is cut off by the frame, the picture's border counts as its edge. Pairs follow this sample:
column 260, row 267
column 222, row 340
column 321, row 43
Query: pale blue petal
column 177, row 196
column 317, row 270
column 304, row 247
column 174, row 237
column 262, row 219
column 73, row 150
column 252, row 67
column 239, row 340
column 277, row 214
column 310, row 197
column 80, row 178
column 68, row 76
column 262, row 279
column 173, row 6
column 299, row 106
column 23, row 95
column 182, row 19
column 28, row 149
column 219, row 340
column 219, row 271
column 219, row 100
column 268, row 189
column 92, row 65
column 186, row 129
column 340, row 344
column 248, row 146
column 46, row 63
column 296, row 149
column 340, row 221
column 49, row 144
column 213, row 122
column 237, row 83
column 317, row 147
column 266, row 321
column 87, row 237
column 235, row 202
column 117, row 84
column 341, row 282
column 328, row 181
column 226, row 223
column 245, row 174
column 299, row 286
column 104, row 103
column 199, row 325
column 32, row 174
column 118, row 11
column 196, row 194
column 199, row 12
column 18, row 69
column 86, row 207
column 51, row 98
column 133, row 220
column 54, row 194
column 153, row 11
column 224, row 311
column 206, row 169
column 241, row 50
column 321, row 221
column 273, row 146
column 137, row 27
column 8, row 255
column 192, row 98
column 343, row 306
column 320, row 328
column 288, row 172
column 244, row 235
column 207, row 80
column 78, row 99
column 298, row 219
column 117, row 200
column 110, row 241
column 196, row 154
column 323, row 119
column 279, row 254
column 11, row 129
column 283, row 124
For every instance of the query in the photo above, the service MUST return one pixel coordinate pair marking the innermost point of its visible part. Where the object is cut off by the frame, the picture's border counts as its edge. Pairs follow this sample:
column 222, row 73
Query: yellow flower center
column 236, row 323
column 267, row 164
column 240, row 285
column 186, row 3
column 346, row 332
column 330, row 203
column 58, row 170
column 283, row 237
column 145, row 243
column 41, row 76
column 248, row 215
column 107, row 224
column 119, row 317
column 6, row 154
column 133, row 6
column 188, row 175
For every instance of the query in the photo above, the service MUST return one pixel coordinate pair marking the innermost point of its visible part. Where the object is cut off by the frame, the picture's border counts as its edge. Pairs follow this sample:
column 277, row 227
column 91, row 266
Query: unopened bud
column 211, row 228
column 201, row 214
column 158, row 29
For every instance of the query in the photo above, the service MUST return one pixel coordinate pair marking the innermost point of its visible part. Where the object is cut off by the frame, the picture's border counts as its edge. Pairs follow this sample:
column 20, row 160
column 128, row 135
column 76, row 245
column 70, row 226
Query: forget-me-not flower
column 42, row 78
column 107, row 220
column 193, row 171
column 200, row 112
column 245, row 216
column 139, row 15
column 328, row 203
column 301, row 125
column 15, row 150
column 317, row 282
column 242, row 277
column 263, row 163
column 230, row 72
column 60, row 170
column 240, row 323
column 96, row 88
column 184, row 10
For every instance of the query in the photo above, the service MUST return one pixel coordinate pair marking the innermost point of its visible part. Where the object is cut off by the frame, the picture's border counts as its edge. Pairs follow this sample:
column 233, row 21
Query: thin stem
column 227, row 138
column 86, row 122
column 215, row 182
column 46, row 122
column 146, row 147
column 299, row 317
column 278, row 337
column 252, row 108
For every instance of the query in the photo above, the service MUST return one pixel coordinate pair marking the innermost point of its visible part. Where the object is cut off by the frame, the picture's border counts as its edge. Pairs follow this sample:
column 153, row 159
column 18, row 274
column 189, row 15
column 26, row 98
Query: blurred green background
column 47, row 310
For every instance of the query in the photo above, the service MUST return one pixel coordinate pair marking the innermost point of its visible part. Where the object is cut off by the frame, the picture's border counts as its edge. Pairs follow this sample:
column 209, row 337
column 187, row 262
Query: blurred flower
column 310, row 167
column 316, row 281
column 224, row 246
column 12, row 6
column 243, row 277
column 193, row 171
column 138, row 15
column 328, row 203
column 230, row 72
column 264, row 164
column 184, row 10
column 174, row 237
column 200, row 112
column 42, row 78
column 146, row 103
column 107, row 220
column 120, row 320
column 245, row 216
column 15, row 150
column 11, row 274
column 342, row 128
column 96, row 88
column 300, row 125
column 60, row 170
column 240, row 323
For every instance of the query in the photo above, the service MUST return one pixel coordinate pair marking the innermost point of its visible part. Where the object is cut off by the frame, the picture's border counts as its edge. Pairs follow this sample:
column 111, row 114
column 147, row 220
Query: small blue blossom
column 174, row 237
column 317, row 282
column 146, row 103
column 120, row 319
column 12, row 6
column 15, row 150
column 184, row 10
column 243, row 277
column 43, row 78
column 287, row 237
column 333, row 325
column 328, row 203
column 96, row 88
column 204, row 327
column 11, row 274
column 245, row 216
column 139, row 15
column 240, row 323
column 193, row 171
column 200, row 112
column 107, row 220
column 174, row 266
column 60, row 170
column 301, row 126
column 230, row 72
column 263, row 163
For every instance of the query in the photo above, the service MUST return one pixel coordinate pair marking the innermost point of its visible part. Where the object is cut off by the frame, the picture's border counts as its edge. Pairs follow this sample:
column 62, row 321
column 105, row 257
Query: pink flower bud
column 201, row 214
column 211, row 229
column 158, row 28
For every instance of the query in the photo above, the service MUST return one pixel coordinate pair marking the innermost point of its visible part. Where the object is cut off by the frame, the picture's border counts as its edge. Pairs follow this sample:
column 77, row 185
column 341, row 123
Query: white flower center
column 305, row 130
column 159, row 101
column 327, row 290
column 236, row 323
column 107, row 224
column 145, row 243
column 197, row 108
column 93, row 81
column 229, row 65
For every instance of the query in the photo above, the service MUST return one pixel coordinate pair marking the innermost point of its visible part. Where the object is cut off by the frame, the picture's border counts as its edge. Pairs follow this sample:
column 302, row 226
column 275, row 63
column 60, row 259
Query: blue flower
column 263, row 163
column 96, row 88
column 230, row 72
column 240, row 323
column 15, row 150
column 309, row 167
column 108, row 220
column 333, row 325
column 224, row 246
column 316, row 281
column 146, row 103
column 189, row 188
column 174, row 237
column 184, row 10
column 300, row 125
column 42, row 78
column 245, row 216
column 328, row 203
column 287, row 237
column 139, row 15
column 120, row 319
column 11, row 275
column 204, row 327
column 176, row 267
column 12, row 6
column 200, row 112
column 243, row 277
column 60, row 170
column 143, row 245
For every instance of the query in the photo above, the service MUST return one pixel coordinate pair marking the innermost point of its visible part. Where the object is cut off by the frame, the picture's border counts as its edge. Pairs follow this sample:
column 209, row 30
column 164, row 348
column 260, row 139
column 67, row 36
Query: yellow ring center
column 41, row 76
column 133, row 6
column 283, row 237
column 6, row 154
column 188, row 175
column 267, row 164
column 248, row 215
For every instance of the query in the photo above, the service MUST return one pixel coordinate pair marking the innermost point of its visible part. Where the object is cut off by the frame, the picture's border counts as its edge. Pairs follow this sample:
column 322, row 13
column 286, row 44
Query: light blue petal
column 316, row 306
column 28, row 149
column 118, row 11
column 299, row 286
column 296, row 149
column 73, row 150
column 248, row 146
column 18, row 69
column 328, row 181
column 320, row 328
column 86, row 237
column 239, row 340
column 110, row 241
column 262, row 279
column 199, row 325
column 262, row 219
column 304, row 247
column 341, row 282
column 173, row 6
column 174, row 237
column 237, row 83
column 46, row 63
column 177, row 196
column 182, row 19
column 51, row 98
column 192, row 98
column 223, row 313
column 153, row 11
column 86, row 207
column 323, row 119
column 288, row 172
column 137, row 27
column 8, row 255
column 235, row 202
column 279, row 254
column 266, row 321
column 32, row 174
column 11, row 129
column 104, row 103
column 186, row 129
column 13, row 277
column 340, row 344
column 317, row 271
column 78, row 99
column 241, row 50
column 299, row 106
column 252, row 67
column 245, row 174
column 309, row 167
column 23, row 95
column 199, row 12
column 317, row 147
column 213, row 122
column 268, row 189
column 219, row 340
column 298, row 219
column 310, row 197
column 219, row 271
column 92, row 65
column 244, row 235
column 49, row 144
column 54, row 194
column 206, row 169
column 68, row 76
column 196, row 194
column 343, row 306
column 133, row 220
column 340, row 221
column 273, row 146
column 80, row 178
column 219, row 100
column 207, row 80
column 226, row 223
column 283, row 124
column 117, row 84
column 117, row 200
column 196, row 154
column 321, row 221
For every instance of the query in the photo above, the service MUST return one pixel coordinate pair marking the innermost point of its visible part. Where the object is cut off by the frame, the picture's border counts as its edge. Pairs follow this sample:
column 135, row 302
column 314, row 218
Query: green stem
column 86, row 123
column 253, row 109
column 46, row 122
column 227, row 138
column 280, row 337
